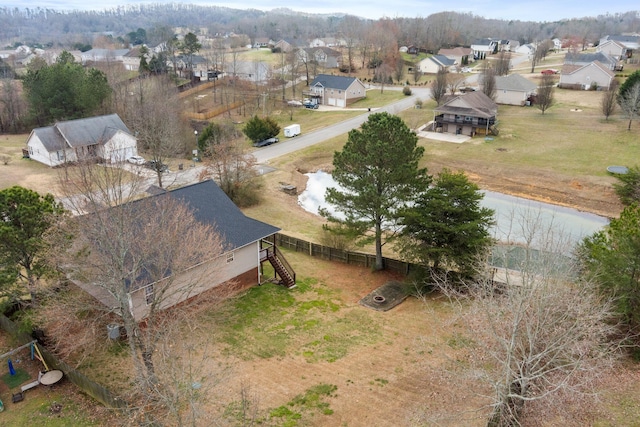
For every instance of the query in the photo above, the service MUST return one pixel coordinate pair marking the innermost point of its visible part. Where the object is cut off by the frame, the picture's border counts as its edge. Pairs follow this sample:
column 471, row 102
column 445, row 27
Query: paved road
column 289, row 145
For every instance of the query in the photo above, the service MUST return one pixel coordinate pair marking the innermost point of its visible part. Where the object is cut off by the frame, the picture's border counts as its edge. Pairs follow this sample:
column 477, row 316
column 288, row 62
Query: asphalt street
column 289, row 145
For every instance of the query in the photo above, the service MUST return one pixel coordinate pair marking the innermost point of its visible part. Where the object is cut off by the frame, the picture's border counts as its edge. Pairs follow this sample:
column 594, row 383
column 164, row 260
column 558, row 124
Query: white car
column 136, row 160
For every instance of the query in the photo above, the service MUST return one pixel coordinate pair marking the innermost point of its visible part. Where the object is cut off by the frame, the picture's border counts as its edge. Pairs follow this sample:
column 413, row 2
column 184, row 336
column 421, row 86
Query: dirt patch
column 594, row 195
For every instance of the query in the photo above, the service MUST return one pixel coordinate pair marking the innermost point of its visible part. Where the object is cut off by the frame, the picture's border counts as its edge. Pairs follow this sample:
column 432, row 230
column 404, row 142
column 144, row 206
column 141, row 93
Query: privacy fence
column 340, row 255
column 88, row 386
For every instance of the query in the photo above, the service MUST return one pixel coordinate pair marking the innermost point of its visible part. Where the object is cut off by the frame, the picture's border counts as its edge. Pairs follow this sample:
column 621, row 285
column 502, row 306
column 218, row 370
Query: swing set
column 45, row 377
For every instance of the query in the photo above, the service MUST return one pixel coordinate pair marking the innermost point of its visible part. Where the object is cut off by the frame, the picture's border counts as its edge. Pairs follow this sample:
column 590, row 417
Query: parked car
column 465, row 70
column 311, row 105
column 136, row 160
column 550, row 71
column 157, row 166
column 294, row 103
column 467, row 89
column 266, row 142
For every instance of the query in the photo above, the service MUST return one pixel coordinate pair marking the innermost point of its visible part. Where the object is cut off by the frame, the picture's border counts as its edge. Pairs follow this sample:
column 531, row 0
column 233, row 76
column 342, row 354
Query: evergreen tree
column 379, row 175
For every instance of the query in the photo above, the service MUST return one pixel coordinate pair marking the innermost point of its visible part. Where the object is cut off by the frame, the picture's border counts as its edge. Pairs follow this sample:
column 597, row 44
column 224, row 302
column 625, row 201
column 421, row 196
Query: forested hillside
column 53, row 28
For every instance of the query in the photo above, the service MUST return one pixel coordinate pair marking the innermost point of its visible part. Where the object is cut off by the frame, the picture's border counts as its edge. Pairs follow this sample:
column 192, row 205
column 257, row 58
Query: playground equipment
column 46, row 377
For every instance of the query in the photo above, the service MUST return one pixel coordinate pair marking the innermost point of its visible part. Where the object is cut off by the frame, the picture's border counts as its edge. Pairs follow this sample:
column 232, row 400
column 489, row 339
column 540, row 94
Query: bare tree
column 503, row 63
column 544, row 95
column 454, row 82
column 439, row 86
column 547, row 332
column 12, row 107
column 153, row 113
column 608, row 102
column 488, row 80
column 234, row 170
column 630, row 103
column 152, row 247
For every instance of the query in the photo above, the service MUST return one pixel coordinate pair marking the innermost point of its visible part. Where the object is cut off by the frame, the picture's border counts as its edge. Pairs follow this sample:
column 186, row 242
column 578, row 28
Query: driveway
column 263, row 155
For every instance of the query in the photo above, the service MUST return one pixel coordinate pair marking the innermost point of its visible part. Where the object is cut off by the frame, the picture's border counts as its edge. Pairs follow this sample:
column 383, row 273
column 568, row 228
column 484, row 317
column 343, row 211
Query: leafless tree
column 153, row 114
column 12, row 106
column 398, row 71
column 488, row 80
column 454, row 81
column 234, row 170
column 608, row 102
column 544, row 94
column 439, row 86
column 502, row 64
column 546, row 332
column 416, row 71
column 351, row 31
column 140, row 257
column 630, row 103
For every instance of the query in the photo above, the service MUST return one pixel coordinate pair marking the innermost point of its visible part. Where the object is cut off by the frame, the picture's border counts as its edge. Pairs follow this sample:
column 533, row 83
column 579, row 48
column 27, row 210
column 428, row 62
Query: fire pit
column 379, row 299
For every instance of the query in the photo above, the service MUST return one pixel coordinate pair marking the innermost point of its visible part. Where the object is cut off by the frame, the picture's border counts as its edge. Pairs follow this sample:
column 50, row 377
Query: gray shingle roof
column 333, row 82
column 515, row 82
column 443, row 60
column 474, row 104
column 81, row 132
column 212, row 206
column 586, row 58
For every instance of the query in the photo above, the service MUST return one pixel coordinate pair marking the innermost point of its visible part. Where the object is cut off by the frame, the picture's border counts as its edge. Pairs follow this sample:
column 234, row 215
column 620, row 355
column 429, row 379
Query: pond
column 515, row 216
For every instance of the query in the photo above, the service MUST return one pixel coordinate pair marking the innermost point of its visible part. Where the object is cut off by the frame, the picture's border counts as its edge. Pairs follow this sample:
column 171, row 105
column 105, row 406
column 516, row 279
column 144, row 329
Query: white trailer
column 292, row 130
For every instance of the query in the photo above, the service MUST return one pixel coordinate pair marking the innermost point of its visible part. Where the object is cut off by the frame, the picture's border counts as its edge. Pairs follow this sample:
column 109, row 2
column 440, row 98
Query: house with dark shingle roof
column 240, row 265
column 466, row 114
column 104, row 138
column 338, row 91
column 435, row 63
column 514, row 89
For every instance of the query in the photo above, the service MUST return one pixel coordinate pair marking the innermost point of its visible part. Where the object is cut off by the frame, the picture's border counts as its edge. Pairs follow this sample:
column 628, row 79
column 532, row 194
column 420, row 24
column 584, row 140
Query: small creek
column 513, row 214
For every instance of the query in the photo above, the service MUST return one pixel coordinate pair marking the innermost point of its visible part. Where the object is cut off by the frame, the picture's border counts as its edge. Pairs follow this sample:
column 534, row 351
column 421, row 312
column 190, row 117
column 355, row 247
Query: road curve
column 289, row 145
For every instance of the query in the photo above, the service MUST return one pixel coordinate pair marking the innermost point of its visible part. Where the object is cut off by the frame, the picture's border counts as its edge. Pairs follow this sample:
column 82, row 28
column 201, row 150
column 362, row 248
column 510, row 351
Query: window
column 230, row 257
column 468, row 119
column 149, row 294
column 60, row 154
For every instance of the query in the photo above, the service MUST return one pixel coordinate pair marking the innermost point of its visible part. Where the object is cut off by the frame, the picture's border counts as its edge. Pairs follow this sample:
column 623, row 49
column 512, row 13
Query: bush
column 406, row 90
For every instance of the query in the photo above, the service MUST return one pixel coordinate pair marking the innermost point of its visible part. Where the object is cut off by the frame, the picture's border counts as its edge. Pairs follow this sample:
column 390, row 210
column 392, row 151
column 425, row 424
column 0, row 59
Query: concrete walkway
column 441, row 136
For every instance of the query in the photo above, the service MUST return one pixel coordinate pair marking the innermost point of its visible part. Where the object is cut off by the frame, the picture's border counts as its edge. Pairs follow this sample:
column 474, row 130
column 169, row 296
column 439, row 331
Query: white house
column 105, row 138
column 483, row 47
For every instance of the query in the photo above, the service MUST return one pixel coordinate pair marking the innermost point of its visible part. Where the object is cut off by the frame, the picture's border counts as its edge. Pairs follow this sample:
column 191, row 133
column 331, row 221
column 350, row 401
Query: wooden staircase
column 283, row 270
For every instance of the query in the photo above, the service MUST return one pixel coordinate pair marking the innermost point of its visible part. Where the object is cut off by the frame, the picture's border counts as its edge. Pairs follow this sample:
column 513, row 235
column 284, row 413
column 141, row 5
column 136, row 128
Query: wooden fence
column 85, row 384
column 340, row 255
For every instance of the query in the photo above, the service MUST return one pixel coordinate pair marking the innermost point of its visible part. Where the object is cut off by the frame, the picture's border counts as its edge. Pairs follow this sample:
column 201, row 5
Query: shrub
column 406, row 90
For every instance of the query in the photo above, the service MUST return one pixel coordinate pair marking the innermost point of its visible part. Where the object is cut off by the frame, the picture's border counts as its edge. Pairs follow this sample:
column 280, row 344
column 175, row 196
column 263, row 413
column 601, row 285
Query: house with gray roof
column 240, row 265
column 102, row 138
column 514, row 90
column 338, row 91
column 435, row 63
column 593, row 75
column 466, row 114
column 574, row 58
column 323, row 56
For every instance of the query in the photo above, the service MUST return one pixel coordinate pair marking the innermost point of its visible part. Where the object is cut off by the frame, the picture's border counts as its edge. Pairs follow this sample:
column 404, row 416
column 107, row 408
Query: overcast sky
column 528, row 10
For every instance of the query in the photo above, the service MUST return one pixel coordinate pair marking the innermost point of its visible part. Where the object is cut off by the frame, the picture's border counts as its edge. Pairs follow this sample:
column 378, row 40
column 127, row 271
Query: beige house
column 338, row 91
column 594, row 75
column 246, row 250
column 460, row 55
column 514, row 89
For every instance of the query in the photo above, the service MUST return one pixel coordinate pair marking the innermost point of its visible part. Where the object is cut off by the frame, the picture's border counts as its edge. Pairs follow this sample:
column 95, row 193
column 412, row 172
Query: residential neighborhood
column 287, row 218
